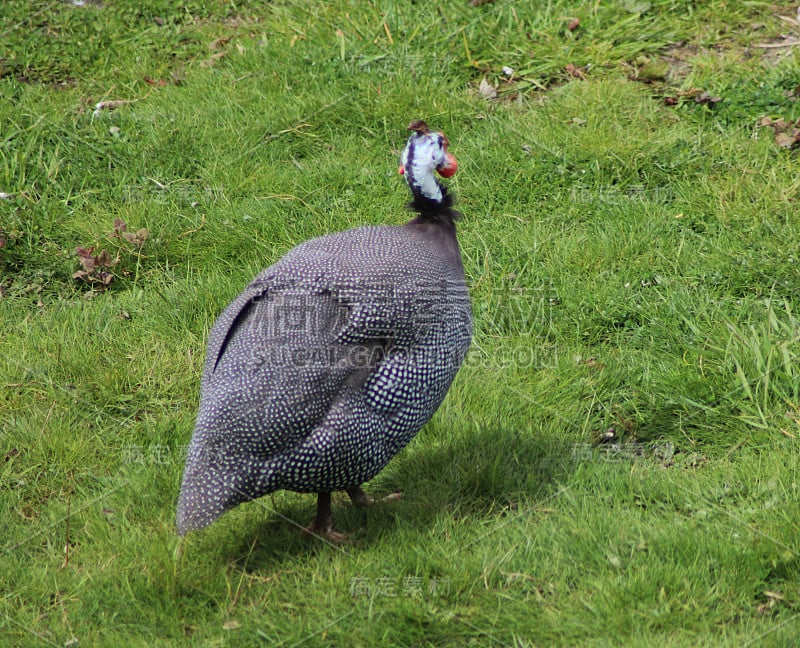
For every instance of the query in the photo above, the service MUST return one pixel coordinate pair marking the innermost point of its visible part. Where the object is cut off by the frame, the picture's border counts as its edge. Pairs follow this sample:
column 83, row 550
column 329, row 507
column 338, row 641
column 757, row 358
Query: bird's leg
column 362, row 500
column 322, row 524
column 359, row 497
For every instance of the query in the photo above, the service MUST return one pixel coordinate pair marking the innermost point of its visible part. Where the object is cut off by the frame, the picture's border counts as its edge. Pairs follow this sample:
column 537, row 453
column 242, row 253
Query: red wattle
column 449, row 167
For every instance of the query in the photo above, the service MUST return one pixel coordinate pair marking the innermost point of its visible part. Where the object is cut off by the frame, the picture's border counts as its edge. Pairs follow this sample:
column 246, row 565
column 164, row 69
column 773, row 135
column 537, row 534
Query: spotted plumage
column 332, row 359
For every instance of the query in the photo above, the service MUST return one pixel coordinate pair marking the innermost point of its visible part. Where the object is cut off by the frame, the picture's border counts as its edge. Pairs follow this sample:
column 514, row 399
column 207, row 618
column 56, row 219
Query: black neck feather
column 430, row 210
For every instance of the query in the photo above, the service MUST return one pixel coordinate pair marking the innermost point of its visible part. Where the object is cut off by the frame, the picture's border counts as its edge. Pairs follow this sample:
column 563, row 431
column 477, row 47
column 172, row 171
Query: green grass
column 632, row 263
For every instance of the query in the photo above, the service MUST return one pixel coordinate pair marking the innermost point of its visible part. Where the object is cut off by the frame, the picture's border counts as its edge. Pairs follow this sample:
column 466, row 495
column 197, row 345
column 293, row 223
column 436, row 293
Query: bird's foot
column 325, row 533
column 362, row 500
column 322, row 524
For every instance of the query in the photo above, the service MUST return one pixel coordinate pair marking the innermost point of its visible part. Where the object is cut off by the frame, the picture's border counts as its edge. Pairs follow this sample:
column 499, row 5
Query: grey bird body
column 327, row 365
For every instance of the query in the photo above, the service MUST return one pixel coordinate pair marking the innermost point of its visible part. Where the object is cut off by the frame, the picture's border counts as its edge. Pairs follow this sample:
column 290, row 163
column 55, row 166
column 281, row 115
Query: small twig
column 791, row 21
column 776, row 45
column 158, row 184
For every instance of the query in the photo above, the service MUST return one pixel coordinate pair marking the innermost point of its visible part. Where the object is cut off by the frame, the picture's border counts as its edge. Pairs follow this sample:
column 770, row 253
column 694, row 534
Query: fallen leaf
column 231, row 625
column 121, row 231
column 705, row 98
column 487, row 90
column 154, row 82
column 103, row 259
column 86, row 258
column 219, row 42
column 574, row 71
column 138, row 238
column 93, row 272
column 788, row 139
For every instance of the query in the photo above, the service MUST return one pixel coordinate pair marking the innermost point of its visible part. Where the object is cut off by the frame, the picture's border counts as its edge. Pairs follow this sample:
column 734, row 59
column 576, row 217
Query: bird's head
column 426, row 152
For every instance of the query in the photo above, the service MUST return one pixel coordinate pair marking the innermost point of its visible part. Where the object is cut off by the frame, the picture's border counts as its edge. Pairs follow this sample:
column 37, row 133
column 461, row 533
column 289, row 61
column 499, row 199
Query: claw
column 327, row 534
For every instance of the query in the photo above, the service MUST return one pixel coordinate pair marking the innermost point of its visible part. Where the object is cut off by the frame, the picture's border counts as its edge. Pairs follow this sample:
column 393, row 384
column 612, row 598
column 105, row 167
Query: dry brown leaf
column 219, row 42
column 705, row 98
column 574, row 71
column 138, row 238
column 787, row 139
column 103, row 259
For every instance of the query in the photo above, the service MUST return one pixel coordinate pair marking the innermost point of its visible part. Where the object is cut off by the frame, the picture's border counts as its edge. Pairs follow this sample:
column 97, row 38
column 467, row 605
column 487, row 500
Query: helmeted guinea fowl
column 333, row 358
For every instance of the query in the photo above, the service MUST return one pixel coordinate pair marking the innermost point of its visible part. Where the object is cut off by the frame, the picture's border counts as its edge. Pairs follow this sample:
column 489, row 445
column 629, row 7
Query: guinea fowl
column 333, row 358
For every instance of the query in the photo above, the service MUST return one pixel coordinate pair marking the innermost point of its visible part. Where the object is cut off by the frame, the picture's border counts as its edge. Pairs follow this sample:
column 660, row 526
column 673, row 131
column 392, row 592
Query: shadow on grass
column 484, row 472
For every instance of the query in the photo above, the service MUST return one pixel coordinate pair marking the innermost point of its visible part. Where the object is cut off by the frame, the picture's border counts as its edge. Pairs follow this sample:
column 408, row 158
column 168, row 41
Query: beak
column 449, row 167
